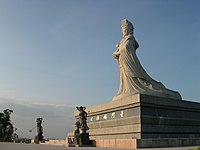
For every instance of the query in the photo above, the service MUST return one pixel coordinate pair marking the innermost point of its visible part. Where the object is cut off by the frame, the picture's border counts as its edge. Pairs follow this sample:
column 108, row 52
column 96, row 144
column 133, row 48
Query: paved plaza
column 13, row 146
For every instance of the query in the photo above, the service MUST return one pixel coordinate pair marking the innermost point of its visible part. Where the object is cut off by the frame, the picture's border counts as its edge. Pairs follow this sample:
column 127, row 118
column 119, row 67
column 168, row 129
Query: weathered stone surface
column 117, row 143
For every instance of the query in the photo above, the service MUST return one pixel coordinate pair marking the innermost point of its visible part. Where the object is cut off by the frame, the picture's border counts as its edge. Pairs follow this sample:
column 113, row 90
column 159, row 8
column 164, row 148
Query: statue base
column 80, row 140
column 147, row 143
column 144, row 121
column 84, row 139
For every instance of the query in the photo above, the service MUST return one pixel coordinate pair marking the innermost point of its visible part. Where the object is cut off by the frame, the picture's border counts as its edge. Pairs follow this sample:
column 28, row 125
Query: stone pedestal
column 144, row 121
column 84, row 139
column 80, row 140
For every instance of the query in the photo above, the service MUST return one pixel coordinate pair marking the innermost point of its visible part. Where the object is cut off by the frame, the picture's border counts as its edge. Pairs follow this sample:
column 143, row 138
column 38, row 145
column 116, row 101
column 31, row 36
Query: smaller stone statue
column 82, row 119
column 77, row 133
column 39, row 136
column 81, row 137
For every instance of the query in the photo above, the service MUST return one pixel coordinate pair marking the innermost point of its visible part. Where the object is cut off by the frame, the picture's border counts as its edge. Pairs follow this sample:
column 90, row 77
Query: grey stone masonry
column 144, row 117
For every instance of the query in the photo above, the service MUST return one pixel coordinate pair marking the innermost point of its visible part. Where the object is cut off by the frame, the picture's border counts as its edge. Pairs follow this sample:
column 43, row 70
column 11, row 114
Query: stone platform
column 146, row 143
column 144, row 121
column 21, row 146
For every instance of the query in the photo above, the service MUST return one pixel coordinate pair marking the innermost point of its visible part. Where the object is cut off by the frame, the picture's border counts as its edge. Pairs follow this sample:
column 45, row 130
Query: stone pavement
column 14, row 146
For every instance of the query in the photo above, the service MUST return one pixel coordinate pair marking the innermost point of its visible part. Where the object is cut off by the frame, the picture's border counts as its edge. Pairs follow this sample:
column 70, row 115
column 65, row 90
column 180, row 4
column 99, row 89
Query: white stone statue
column 133, row 78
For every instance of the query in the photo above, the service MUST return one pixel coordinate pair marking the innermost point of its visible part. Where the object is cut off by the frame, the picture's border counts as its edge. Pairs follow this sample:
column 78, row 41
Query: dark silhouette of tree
column 6, row 127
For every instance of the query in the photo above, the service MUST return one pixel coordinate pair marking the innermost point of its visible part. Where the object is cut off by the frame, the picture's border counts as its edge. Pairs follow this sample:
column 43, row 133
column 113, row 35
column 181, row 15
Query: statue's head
column 39, row 120
column 81, row 108
column 127, row 27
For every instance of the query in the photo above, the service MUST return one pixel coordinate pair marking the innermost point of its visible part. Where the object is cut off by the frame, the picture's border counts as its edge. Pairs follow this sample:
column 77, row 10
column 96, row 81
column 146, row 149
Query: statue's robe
column 133, row 78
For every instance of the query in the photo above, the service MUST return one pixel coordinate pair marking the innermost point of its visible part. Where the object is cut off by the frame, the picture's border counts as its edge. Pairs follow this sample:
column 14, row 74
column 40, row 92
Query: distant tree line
column 6, row 127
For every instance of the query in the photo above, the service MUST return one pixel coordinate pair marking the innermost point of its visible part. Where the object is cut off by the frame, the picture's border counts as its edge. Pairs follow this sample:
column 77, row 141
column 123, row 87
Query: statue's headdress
column 127, row 24
column 81, row 108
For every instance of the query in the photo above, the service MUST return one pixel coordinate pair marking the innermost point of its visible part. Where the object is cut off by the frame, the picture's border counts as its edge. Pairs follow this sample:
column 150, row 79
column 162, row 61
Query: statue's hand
column 116, row 55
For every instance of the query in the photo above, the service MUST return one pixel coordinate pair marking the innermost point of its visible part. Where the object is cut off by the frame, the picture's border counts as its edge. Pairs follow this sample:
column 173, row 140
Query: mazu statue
column 133, row 78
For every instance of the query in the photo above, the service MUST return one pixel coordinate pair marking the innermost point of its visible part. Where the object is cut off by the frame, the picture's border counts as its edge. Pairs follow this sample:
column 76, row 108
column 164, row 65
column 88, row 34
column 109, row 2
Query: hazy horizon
column 58, row 119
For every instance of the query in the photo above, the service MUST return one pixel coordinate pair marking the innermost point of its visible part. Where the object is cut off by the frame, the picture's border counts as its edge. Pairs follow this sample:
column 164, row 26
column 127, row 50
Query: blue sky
column 60, row 51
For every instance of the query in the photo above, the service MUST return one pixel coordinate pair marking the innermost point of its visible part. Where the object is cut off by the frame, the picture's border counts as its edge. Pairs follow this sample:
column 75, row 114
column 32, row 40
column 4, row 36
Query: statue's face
column 124, row 31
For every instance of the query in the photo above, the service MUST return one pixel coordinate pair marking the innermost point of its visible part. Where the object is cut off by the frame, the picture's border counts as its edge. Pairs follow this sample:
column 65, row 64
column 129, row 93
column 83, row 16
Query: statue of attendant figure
column 133, row 78
column 82, row 119
column 39, row 129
